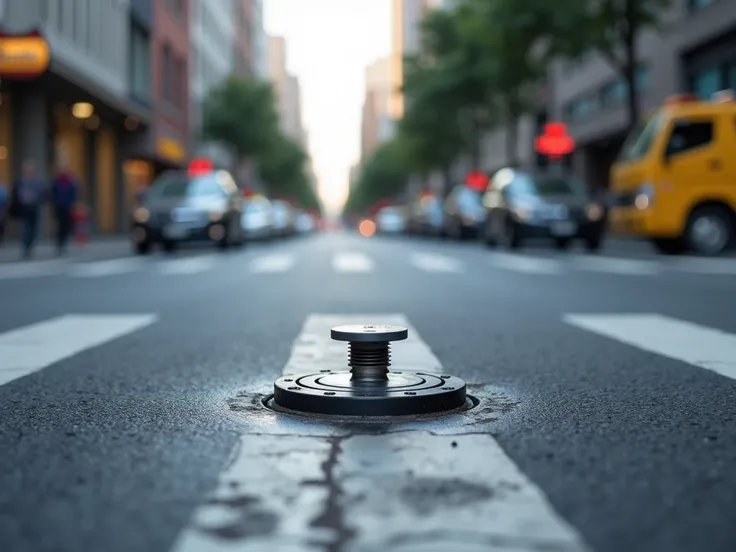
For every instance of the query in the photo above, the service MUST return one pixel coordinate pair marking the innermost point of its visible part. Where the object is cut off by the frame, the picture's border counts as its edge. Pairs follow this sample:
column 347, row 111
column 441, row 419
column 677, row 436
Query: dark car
column 463, row 213
column 180, row 207
column 521, row 206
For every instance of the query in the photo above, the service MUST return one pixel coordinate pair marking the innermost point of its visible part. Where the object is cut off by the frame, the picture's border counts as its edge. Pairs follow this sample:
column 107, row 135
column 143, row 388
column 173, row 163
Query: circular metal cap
column 369, row 333
column 338, row 394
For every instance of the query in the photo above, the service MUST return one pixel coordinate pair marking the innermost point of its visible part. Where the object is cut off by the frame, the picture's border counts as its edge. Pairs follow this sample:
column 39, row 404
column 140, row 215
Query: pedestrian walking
column 26, row 201
column 64, row 196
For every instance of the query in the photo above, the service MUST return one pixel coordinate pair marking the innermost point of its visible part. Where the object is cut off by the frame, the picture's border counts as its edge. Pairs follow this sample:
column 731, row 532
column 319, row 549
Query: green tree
column 241, row 113
column 284, row 168
column 383, row 175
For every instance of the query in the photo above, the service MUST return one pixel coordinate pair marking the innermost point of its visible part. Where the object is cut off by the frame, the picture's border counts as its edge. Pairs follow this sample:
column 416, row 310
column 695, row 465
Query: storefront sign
column 171, row 149
column 23, row 57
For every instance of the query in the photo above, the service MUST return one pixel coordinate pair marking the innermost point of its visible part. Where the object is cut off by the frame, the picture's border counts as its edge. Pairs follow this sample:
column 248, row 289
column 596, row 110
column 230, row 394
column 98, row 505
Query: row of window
column 609, row 96
column 175, row 82
column 177, row 10
column 709, row 81
column 94, row 26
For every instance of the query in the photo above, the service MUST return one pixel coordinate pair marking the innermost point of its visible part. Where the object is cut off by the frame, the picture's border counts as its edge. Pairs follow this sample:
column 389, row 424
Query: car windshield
column 641, row 138
column 184, row 186
column 548, row 186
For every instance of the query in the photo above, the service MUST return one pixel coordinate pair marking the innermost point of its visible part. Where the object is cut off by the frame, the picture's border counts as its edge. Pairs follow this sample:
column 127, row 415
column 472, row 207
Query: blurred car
column 390, row 220
column 463, row 213
column 257, row 218
column 182, row 207
column 305, row 222
column 521, row 206
column 426, row 216
column 282, row 222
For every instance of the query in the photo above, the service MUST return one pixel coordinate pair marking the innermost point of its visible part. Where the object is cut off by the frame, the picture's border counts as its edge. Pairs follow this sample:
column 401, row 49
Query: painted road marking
column 30, row 269
column 193, row 265
column 697, row 345
column 105, row 268
column 35, row 347
column 613, row 265
column 436, row 263
column 272, row 264
column 352, row 262
column 313, row 489
column 526, row 264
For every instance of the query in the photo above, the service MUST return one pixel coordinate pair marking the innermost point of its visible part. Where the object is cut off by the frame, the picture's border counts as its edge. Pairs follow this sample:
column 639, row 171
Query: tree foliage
column 383, row 175
column 242, row 113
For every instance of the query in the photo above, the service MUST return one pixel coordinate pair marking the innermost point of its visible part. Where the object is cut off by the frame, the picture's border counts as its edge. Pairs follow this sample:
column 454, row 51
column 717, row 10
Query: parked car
column 283, row 219
column 182, row 207
column 521, row 206
column 390, row 220
column 257, row 218
column 305, row 222
column 426, row 216
column 463, row 213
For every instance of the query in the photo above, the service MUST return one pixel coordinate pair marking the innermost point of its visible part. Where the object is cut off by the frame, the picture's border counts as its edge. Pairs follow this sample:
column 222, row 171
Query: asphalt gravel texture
column 113, row 448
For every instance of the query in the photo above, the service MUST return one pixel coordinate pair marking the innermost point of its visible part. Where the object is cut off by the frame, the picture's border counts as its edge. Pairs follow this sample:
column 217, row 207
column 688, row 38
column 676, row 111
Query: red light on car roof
column 477, row 181
column 678, row 99
column 555, row 142
column 200, row 166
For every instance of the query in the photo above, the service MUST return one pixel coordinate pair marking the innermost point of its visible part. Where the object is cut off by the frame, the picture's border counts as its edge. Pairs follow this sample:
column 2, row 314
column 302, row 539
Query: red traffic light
column 477, row 181
column 555, row 142
column 200, row 166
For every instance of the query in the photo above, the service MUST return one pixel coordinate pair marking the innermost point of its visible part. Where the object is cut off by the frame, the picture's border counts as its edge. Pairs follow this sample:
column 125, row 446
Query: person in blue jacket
column 64, row 196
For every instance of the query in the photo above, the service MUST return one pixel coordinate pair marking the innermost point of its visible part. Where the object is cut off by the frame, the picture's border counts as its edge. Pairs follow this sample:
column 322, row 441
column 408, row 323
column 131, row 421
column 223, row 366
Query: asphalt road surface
column 131, row 415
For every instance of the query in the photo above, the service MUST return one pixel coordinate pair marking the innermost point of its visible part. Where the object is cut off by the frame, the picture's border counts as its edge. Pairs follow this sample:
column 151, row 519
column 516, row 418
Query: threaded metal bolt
column 369, row 350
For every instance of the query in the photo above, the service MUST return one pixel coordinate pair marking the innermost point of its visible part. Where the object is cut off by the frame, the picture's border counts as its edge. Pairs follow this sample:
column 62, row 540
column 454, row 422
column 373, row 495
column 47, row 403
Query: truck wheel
column 709, row 230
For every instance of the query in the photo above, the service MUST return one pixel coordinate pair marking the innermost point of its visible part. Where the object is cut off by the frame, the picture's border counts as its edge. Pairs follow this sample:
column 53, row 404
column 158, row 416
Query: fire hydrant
column 80, row 219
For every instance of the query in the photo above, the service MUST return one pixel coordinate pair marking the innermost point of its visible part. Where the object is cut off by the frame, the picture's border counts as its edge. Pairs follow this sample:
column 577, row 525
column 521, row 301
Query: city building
column 377, row 121
column 245, row 40
column 287, row 89
column 67, row 100
column 695, row 53
column 213, row 28
column 159, row 72
column 260, row 42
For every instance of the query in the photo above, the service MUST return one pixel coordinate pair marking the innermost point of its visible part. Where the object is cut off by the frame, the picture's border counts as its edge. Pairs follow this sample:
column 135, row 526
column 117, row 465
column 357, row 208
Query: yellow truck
column 674, row 182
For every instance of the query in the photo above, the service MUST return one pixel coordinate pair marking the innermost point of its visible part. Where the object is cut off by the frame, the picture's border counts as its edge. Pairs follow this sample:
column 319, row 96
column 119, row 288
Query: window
column 181, row 83
column 731, row 76
column 700, row 4
column 140, row 63
column 687, row 135
column 706, row 83
column 168, row 89
column 641, row 138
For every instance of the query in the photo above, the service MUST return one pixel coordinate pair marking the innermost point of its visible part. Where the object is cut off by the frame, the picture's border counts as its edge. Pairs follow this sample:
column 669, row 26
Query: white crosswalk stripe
column 271, row 264
column 352, row 262
column 193, row 265
column 436, row 263
column 35, row 347
column 612, row 265
column 526, row 264
column 381, row 480
column 30, row 269
column 105, row 268
column 696, row 345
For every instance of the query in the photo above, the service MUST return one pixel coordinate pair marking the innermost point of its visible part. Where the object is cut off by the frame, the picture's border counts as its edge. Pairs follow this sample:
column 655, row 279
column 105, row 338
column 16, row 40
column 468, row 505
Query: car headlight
column 141, row 215
column 644, row 197
column 594, row 212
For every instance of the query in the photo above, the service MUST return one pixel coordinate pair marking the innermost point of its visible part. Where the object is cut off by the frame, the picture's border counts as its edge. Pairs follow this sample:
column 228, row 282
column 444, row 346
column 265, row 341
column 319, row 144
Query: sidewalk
column 98, row 248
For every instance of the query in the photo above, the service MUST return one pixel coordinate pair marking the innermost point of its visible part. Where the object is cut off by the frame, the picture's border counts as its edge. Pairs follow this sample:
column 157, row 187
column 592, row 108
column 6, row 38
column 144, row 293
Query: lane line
column 100, row 269
column 35, row 347
column 31, row 269
column 613, row 265
column 700, row 346
column 526, row 264
column 436, row 263
column 352, row 263
column 193, row 265
column 272, row 264
column 412, row 490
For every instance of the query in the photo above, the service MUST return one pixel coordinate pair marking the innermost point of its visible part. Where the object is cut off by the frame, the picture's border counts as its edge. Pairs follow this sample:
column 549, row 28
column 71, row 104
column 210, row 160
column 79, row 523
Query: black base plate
column 404, row 394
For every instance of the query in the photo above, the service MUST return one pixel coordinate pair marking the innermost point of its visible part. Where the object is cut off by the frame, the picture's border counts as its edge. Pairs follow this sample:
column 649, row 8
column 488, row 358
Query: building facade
column 213, row 27
column 696, row 53
column 287, row 90
column 244, row 55
column 260, row 42
column 377, row 122
column 72, row 109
